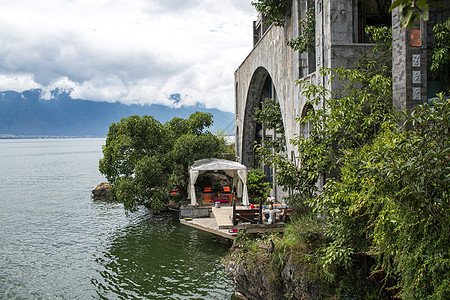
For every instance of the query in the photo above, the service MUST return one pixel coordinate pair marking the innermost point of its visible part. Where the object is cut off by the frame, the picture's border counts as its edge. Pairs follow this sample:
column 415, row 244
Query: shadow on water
column 155, row 257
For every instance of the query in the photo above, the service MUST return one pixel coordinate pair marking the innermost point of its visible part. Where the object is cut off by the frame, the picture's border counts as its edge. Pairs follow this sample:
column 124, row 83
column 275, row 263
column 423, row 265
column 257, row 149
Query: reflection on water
column 157, row 258
column 55, row 242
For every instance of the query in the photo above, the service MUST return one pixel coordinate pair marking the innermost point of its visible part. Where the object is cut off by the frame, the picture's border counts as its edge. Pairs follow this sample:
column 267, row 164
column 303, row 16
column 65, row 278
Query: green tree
column 274, row 10
column 143, row 158
column 270, row 116
column 392, row 204
column 410, row 220
column 258, row 187
column 440, row 59
column 414, row 9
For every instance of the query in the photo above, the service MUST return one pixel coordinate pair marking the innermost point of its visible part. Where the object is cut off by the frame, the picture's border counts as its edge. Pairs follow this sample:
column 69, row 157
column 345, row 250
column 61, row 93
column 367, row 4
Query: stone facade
column 409, row 47
column 271, row 68
column 409, row 84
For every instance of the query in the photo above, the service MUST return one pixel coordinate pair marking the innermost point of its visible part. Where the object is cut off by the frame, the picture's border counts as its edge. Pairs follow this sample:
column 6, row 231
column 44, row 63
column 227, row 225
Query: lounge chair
column 174, row 192
column 207, row 198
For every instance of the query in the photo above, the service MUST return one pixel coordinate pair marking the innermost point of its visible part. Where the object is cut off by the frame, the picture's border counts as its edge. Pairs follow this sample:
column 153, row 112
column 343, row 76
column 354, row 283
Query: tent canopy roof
column 231, row 168
column 209, row 164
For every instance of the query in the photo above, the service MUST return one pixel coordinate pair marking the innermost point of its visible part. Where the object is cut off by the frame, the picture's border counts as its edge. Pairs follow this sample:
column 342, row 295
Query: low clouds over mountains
column 129, row 51
column 27, row 114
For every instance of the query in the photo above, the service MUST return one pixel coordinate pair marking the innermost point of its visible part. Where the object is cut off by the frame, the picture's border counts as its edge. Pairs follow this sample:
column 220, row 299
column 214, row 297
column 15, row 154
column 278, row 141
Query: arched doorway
column 255, row 133
column 261, row 87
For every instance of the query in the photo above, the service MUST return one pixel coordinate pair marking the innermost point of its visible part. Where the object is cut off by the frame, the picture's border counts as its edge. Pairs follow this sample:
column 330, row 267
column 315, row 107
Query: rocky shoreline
column 101, row 191
column 258, row 275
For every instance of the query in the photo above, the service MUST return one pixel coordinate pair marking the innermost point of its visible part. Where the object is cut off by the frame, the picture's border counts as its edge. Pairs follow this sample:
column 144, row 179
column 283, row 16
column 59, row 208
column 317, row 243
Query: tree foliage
column 258, row 188
column 275, row 10
column 270, row 116
column 414, row 9
column 382, row 217
column 440, row 58
column 143, row 158
column 392, row 204
column 306, row 40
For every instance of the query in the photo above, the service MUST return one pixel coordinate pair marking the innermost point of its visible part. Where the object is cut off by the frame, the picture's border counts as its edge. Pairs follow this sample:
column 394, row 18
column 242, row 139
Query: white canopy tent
column 231, row 168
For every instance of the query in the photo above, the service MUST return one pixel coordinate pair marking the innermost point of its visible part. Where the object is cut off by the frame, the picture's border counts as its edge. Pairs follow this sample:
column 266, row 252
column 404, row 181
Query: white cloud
column 126, row 50
column 17, row 82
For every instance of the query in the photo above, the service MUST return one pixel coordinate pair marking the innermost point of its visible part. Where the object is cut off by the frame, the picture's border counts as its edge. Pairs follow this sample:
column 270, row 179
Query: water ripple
column 56, row 243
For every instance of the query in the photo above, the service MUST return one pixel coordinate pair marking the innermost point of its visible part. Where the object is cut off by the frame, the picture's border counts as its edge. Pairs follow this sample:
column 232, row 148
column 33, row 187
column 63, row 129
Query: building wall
column 409, row 85
column 272, row 57
column 335, row 46
column 409, row 59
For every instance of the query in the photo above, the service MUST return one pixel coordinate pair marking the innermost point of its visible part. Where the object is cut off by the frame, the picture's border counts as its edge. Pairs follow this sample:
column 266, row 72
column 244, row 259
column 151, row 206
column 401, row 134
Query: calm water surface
column 56, row 243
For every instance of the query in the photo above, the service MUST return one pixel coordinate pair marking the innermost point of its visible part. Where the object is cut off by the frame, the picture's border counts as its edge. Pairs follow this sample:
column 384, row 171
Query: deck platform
column 220, row 223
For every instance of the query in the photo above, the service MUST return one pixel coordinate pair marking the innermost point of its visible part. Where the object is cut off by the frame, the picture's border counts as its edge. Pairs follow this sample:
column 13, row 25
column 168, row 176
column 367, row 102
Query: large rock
column 101, row 191
column 257, row 276
column 253, row 281
column 254, row 274
column 297, row 281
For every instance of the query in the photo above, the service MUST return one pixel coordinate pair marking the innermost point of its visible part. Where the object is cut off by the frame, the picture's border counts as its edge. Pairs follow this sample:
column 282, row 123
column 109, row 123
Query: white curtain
column 238, row 184
column 243, row 176
column 193, row 178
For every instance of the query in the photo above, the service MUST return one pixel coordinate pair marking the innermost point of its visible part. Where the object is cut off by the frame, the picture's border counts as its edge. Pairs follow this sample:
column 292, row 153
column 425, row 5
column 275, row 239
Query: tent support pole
column 234, row 211
column 260, row 211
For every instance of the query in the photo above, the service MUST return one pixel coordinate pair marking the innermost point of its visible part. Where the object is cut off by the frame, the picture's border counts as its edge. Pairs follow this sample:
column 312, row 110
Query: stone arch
column 254, row 97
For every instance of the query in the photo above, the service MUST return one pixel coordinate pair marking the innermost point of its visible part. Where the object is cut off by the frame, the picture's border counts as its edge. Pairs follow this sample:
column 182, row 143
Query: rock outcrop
column 101, row 191
column 254, row 281
column 296, row 282
column 257, row 276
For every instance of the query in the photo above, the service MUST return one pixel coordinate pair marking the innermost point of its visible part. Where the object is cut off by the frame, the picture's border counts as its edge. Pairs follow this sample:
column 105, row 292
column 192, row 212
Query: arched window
column 305, row 130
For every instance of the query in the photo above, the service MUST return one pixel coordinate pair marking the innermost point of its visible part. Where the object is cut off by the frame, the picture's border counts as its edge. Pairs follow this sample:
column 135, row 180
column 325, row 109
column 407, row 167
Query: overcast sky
column 133, row 51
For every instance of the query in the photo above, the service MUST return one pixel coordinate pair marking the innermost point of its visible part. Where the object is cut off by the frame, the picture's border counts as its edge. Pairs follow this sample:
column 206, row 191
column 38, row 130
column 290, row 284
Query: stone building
column 271, row 68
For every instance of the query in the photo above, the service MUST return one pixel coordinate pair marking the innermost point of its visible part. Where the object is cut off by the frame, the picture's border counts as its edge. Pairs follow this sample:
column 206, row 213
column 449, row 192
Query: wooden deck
column 220, row 223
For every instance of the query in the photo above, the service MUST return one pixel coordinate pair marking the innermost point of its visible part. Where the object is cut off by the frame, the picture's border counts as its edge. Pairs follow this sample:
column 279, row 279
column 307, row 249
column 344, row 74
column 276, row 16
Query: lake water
column 57, row 243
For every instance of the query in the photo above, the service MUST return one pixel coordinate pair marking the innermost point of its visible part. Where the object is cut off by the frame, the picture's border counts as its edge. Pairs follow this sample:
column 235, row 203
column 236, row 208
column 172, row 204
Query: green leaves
column 440, row 59
column 392, row 203
column 274, row 10
column 306, row 40
column 414, row 9
column 189, row 148
column 270, row 116
column 143, row 158
column 258, row 187
column 198, row 121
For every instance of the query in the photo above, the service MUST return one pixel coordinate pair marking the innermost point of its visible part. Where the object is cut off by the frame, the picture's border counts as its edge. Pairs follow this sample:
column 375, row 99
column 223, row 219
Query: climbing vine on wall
column 274, row 10
column 307, row 33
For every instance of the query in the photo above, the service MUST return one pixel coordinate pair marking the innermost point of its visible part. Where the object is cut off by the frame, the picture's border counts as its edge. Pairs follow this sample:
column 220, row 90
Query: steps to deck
column 222, row 216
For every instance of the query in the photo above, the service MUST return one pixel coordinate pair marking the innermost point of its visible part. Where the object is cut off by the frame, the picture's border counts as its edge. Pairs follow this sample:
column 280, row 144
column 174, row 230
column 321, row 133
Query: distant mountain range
column 26, row 114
